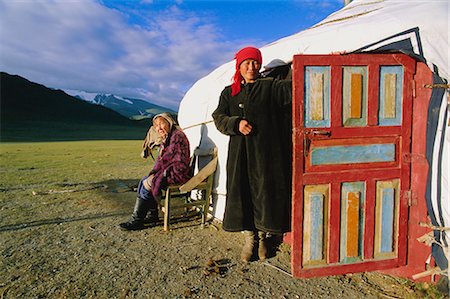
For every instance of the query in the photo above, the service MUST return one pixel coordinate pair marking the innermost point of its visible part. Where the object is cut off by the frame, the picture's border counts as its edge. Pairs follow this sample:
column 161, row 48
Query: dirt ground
column 68, row 245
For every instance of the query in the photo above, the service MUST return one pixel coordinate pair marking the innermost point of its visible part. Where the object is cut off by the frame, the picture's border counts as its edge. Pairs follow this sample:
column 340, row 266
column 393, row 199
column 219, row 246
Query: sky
column 153, row 50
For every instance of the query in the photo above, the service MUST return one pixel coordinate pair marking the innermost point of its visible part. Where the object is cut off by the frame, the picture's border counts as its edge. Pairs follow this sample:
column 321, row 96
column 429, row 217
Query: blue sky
column 149, row 49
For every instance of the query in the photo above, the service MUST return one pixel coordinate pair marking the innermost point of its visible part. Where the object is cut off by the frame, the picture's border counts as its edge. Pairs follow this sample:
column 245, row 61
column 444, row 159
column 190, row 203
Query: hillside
column 33, row 112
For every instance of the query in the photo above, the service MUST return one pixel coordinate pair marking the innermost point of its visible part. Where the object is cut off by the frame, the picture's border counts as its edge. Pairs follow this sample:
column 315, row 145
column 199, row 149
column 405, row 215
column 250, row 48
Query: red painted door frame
column 418, row 252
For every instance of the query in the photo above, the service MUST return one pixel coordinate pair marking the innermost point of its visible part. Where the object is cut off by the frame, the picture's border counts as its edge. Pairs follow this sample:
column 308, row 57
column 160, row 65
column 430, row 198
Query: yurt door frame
column 351, row 159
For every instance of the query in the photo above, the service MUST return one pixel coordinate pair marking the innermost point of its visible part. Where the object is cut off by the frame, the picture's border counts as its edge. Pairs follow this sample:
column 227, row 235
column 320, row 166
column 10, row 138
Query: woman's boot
column 136, row 222
column 249, row 245
column 152, row 218
column 262, row 245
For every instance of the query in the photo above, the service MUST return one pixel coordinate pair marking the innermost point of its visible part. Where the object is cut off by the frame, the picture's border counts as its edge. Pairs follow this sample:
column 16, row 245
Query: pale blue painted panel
column 387, row 220
column 344, row 154
column 309, row 72
column 398, row 71
column 316, row 241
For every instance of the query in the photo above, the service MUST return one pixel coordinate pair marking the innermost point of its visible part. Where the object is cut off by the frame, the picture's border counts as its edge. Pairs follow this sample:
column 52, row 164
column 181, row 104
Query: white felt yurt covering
column 417, row 28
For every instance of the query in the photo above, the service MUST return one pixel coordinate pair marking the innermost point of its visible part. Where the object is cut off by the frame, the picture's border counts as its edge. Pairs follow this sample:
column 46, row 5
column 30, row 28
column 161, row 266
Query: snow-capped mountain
column 131, row 108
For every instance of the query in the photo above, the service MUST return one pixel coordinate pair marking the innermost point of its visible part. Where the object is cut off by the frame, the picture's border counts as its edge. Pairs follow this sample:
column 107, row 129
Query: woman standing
column 256, row 113
column 171, row 167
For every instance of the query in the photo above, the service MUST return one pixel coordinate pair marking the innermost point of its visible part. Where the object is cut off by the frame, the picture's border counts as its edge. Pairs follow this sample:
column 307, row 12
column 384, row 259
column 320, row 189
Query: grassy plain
column 55, row 171
column 74, row 161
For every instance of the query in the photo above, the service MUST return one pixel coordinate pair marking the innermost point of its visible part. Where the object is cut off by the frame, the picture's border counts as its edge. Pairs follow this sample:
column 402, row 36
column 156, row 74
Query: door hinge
column 416, row 158
column 408, row 194
column 411, row 197
column 445, row 86
column 306, row 146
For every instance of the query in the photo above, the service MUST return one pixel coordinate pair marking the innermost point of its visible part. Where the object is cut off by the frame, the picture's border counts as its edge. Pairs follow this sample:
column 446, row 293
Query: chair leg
column 167, row 210
column 203, row 216
column 205, row 207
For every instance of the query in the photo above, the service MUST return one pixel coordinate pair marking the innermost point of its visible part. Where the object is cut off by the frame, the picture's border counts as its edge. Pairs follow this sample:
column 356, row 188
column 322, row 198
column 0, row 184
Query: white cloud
column 85, row 45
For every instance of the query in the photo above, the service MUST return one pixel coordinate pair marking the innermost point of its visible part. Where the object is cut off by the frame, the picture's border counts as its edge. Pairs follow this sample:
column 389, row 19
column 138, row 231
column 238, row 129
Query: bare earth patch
column 90, row 257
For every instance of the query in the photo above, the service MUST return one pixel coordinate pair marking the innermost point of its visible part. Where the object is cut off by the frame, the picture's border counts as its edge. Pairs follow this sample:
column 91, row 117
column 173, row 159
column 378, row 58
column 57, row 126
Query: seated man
column 171, row 167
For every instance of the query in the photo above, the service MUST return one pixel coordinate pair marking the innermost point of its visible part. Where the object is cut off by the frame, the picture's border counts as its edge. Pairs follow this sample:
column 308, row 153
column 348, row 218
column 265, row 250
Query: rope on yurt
column 428, row 239
column 199, row 124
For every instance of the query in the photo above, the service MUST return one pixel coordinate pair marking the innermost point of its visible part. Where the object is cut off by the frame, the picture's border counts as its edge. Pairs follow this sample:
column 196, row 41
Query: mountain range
column 34, row 112
column 132, row 108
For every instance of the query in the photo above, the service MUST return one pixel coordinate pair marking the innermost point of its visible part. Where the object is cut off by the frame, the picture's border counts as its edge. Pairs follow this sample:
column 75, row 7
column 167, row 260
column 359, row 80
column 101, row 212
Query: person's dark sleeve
column 225, row 123
column 282, row 90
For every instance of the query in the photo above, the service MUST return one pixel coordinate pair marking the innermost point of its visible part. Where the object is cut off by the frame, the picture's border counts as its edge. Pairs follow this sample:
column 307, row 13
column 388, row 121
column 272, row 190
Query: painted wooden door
column 351, row 159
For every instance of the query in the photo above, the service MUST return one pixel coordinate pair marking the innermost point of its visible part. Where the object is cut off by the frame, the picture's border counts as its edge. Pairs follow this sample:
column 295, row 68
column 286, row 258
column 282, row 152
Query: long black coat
column 259, row 164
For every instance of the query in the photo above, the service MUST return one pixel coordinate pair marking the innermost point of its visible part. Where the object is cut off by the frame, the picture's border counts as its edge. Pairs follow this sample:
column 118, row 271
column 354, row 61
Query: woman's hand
column 244, row 127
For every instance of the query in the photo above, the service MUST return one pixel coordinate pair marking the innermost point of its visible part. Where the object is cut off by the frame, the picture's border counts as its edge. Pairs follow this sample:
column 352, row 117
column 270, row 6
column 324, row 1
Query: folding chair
column 179, row 195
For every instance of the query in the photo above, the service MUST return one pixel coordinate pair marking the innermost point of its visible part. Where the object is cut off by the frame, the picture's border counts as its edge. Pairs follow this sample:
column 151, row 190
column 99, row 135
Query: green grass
column 40, row 167
column 76, row 161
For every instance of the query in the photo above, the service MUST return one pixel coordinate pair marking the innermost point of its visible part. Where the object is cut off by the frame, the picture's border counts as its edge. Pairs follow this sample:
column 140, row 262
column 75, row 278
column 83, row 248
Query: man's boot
column 136, row 222
column 249, row 245
column 262, row 245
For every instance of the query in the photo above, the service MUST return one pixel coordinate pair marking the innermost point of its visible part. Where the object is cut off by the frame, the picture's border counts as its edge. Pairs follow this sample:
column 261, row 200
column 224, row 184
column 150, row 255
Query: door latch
column 307, row 140
column 320, row 133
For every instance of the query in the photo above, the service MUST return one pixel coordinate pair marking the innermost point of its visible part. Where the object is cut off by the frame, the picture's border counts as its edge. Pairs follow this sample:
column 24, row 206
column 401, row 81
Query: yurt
column 370, row 185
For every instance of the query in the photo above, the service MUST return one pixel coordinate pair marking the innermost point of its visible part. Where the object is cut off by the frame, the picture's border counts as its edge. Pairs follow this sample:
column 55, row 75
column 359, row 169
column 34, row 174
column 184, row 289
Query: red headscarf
column 243, row 54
